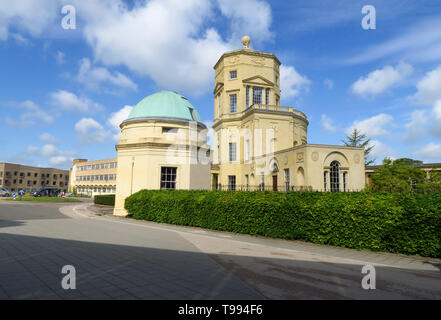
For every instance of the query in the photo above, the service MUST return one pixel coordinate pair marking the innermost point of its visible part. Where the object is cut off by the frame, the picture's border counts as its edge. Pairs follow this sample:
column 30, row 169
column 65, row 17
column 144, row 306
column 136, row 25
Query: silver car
column 4, row 192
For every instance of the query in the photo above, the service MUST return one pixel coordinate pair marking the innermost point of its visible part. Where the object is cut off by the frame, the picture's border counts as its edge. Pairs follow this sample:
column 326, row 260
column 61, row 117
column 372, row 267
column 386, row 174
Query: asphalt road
column 117, row 258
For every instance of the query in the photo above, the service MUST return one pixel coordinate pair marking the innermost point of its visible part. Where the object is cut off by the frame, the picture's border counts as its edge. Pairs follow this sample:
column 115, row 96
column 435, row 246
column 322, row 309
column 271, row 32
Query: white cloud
column 178, row 45
column 380, row 80
column 210, row 133
column 52, row 154
column 291, row 82
column 60, row 57
column 429, row 88
column 92, row 77
column 30, row 114
column 327, row 123
column 432, row 151
column 29, row 16
column 249, row 17
column 415, row 129
column 70, row 102
column 91, row 131
column 329, row 83
column 372, row 127
column 380, row 151
column 117, row 118
column 436, row 120
column 47, row 137
column 61, row 161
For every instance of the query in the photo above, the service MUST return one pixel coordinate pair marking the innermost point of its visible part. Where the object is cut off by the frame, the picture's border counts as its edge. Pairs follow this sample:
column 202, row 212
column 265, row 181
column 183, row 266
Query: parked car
column 4, row 192
column 47, row 192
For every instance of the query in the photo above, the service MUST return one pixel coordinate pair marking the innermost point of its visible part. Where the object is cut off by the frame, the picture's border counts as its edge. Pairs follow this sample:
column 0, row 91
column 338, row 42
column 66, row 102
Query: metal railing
column 278, row 188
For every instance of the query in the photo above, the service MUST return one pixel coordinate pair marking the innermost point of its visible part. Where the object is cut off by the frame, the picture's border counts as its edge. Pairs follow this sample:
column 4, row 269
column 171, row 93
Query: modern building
column 17, row 177
column 162, row 146
column 260, row 144
column 93, row 177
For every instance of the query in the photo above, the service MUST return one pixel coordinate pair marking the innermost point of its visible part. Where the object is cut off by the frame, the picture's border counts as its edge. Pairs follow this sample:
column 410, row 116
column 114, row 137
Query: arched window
column 335, row 176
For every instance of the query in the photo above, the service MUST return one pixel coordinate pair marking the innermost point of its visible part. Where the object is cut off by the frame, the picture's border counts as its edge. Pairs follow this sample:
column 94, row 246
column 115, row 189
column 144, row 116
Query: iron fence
column 262, row 187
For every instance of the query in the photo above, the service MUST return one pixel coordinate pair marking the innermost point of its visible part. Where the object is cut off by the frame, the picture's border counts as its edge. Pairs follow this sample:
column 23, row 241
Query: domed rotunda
column 162, row 146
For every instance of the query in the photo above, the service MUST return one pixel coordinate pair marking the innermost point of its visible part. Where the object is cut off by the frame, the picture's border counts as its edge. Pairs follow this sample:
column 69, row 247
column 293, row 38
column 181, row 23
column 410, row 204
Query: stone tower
column 249, row 123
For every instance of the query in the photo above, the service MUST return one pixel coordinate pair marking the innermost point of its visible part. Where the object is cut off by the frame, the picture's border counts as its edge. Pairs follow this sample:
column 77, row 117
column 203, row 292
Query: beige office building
column 15, row 177
column 259, row 144
column 93, row 177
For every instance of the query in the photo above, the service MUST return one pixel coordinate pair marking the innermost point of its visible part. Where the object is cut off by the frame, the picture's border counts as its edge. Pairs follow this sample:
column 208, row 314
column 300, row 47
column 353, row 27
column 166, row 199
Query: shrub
column 398, row 223
column 108, row 199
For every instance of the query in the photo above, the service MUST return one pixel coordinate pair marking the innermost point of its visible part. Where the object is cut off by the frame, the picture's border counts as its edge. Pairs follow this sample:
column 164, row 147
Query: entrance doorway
column 274, row 183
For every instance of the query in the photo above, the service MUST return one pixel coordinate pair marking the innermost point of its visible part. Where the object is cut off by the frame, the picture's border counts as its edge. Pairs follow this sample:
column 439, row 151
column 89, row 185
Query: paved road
column 119, row 258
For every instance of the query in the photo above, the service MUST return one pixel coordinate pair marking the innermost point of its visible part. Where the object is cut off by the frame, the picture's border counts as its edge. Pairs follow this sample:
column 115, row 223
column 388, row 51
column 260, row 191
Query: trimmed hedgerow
column 398, row 223
column 107, row 199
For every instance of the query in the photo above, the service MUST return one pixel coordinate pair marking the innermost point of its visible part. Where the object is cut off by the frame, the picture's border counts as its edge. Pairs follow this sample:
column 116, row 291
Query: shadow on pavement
column 30, row 268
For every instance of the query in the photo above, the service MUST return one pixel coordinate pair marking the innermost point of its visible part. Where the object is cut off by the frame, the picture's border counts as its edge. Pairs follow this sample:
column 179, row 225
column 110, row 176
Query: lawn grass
column 44, row 199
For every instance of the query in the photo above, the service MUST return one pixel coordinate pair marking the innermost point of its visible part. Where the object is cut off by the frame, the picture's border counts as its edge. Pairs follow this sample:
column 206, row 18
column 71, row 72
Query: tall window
column 232, row 151
column 232, row 183
column 262, row 181
column 219, row 105
column 335, row 176
column 247, row 102
column 168, row 178
column 233, row 103
column 247, row 150
column 345, row 182
column 267, row 91
column 325, row 182
column 257, row 95
column 287, row 179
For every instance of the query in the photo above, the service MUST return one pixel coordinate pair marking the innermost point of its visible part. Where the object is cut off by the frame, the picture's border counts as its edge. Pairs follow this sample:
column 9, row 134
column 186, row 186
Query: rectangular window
column 345, row 174
column 233, row 74
column 232, row 149
column 287, row 182
column 232, row 183
column 112, row 165
column 168, row 130
column 325, row 180
column 233, row 103
column 247, row 98
column 219, row 106
column 168, row 178
column 257, row 95
column 267, row 91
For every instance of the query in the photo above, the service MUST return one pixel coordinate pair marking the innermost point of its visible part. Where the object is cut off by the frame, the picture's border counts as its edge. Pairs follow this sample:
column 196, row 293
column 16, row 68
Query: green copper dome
column 165, row 104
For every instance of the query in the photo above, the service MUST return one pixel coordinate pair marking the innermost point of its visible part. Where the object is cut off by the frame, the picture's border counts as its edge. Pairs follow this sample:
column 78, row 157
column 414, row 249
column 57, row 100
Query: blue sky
column 64, row 92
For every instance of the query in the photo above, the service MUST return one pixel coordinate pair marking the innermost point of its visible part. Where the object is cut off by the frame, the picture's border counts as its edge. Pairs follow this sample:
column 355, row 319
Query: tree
column 400, row 176
column 359, row 140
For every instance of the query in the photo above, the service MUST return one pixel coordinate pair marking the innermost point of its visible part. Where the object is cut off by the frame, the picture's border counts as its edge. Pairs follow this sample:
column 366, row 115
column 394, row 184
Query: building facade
column 93, row 177
column 259, row 144
column 162, row 146
column 15, row 177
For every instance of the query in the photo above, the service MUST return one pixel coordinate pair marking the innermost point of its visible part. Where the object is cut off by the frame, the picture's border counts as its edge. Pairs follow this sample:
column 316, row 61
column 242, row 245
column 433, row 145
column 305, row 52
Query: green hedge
column 108, row 199
column 398, row 223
